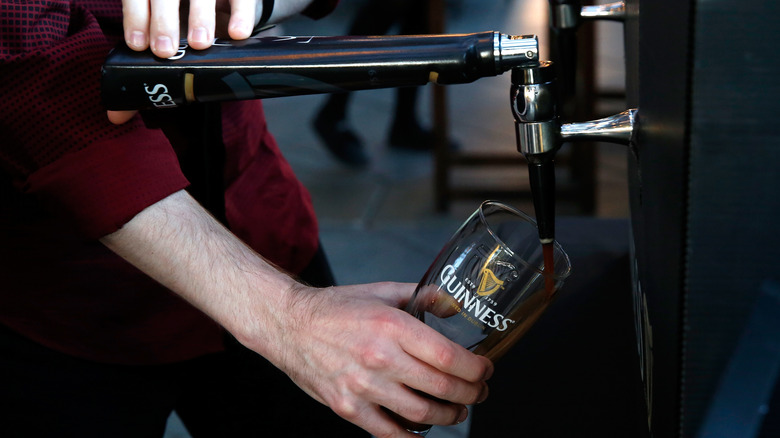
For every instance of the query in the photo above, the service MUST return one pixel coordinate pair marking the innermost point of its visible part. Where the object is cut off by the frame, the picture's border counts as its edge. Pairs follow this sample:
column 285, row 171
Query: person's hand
column 157, row 23
column 350, row 347
column 353, row 349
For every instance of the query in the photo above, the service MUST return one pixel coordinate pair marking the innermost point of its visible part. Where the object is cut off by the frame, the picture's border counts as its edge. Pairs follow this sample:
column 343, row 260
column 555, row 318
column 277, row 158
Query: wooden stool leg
column 436, row 25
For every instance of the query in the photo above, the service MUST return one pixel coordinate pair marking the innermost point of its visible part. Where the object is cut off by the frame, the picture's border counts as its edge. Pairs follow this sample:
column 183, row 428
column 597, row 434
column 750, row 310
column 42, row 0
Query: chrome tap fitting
column 540, row 135
column 618, row 128
column 534, row 107
column 537, row 121
column 568, row 14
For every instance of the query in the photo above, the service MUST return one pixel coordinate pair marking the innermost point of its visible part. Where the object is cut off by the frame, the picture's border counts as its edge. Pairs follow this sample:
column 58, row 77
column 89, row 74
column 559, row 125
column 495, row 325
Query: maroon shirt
column 68, row 177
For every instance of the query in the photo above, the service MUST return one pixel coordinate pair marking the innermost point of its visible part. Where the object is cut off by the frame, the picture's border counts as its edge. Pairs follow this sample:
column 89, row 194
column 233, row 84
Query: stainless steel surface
column 569, row 16
column 533, row 93
column 612, row 11
column 533, row 102
column 535, row 138
column 618, row 128
column 514, row 50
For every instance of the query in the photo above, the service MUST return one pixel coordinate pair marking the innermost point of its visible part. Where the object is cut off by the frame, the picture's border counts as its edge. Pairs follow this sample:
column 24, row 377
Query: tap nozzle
column 540, row 135
column 537, row 126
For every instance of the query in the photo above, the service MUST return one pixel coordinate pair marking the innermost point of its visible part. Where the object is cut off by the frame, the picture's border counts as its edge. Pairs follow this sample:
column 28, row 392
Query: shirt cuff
column 102, row 187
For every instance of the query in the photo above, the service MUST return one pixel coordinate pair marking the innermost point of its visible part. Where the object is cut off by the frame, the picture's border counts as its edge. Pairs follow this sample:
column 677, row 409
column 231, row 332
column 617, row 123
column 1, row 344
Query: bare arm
column 351, row 347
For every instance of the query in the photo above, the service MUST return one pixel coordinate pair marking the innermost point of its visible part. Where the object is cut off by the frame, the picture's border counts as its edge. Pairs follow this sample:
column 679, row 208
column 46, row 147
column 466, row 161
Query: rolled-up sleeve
column 56, row 143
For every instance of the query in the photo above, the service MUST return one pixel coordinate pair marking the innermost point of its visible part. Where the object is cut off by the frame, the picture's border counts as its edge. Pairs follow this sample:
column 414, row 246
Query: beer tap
column 568, row 14
column 540, row 135
column 538, row 95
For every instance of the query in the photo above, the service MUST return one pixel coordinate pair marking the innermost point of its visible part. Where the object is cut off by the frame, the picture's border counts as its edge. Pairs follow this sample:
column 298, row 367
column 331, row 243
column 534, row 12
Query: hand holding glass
column 488, row 284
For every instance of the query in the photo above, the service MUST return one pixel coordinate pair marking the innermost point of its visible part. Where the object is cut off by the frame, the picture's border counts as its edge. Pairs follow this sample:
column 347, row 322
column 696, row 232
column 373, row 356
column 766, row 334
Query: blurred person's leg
column 377, row 18
column 406, row 131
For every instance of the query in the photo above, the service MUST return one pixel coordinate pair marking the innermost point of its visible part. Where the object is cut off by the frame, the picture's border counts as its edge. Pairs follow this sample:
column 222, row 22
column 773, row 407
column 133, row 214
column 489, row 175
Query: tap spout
column 612, row 11
column 569, row 14
column 618, row 128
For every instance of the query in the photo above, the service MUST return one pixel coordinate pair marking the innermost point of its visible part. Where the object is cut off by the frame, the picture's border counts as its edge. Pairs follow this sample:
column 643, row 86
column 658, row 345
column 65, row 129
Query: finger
column 381, row 422
column 369, row 416
column 135, row 19
column 432, row 348
column 447, row 388
column 242, row 19
column 120, row 117
column 420, row 393
column 391, row 293
column 441, row 386
column 417, row 410
column 200, row 27
column 164, row 27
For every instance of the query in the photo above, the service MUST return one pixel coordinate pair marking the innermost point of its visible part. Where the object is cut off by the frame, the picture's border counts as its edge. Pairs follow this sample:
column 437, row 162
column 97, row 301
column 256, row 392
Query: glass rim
column 512, row 210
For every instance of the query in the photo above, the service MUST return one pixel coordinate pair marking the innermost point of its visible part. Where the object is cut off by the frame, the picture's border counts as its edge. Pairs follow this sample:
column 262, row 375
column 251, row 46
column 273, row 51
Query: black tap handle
column 565, row 14
column 564, row 20
column 542, row 178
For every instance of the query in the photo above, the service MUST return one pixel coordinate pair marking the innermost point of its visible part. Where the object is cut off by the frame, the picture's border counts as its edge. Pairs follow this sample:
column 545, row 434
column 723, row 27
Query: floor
column 384, row 215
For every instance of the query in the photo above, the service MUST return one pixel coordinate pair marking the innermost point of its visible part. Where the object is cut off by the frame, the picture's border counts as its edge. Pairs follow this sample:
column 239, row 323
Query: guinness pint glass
column 487, row 286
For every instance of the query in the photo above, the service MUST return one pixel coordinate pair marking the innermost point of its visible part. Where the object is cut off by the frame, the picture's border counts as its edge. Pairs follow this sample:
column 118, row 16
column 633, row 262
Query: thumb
column 120, row 117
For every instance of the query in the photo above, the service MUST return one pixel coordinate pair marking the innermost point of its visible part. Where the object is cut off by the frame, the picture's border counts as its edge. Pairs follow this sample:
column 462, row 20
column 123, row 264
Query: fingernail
column 137, row 39
column 199, row 35
column 463, row 415
column 163, row 44
column 484, row 394
column 488, row 373
column 239, row 25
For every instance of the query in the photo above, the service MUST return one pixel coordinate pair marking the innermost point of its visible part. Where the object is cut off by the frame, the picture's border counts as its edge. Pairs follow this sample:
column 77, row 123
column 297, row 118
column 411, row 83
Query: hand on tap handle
column 289, row 66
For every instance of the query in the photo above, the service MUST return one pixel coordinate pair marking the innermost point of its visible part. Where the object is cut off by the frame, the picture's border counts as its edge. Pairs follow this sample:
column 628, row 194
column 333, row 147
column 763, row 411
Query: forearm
column 351, row 348
column 180, row 245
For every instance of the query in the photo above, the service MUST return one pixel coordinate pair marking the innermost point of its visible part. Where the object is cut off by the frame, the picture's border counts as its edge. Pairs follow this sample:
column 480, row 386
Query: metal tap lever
column 618, row 128
column 568, row 14
column 612, row 11
column 565, row 19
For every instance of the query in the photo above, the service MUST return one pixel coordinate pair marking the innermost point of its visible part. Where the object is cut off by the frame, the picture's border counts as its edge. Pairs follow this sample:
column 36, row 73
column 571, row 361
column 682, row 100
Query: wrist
column 269, row 328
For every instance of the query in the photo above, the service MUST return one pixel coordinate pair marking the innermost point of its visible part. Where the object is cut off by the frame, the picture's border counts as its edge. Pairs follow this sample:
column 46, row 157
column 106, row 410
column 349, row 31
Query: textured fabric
column 50, row 61
column 68, row 176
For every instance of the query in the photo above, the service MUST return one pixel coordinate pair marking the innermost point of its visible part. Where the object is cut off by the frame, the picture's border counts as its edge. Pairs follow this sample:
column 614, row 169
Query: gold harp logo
column 489, row 283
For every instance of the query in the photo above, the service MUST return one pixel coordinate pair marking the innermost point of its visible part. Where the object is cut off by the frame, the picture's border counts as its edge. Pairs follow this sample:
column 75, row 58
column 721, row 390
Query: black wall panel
column 705, row 199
